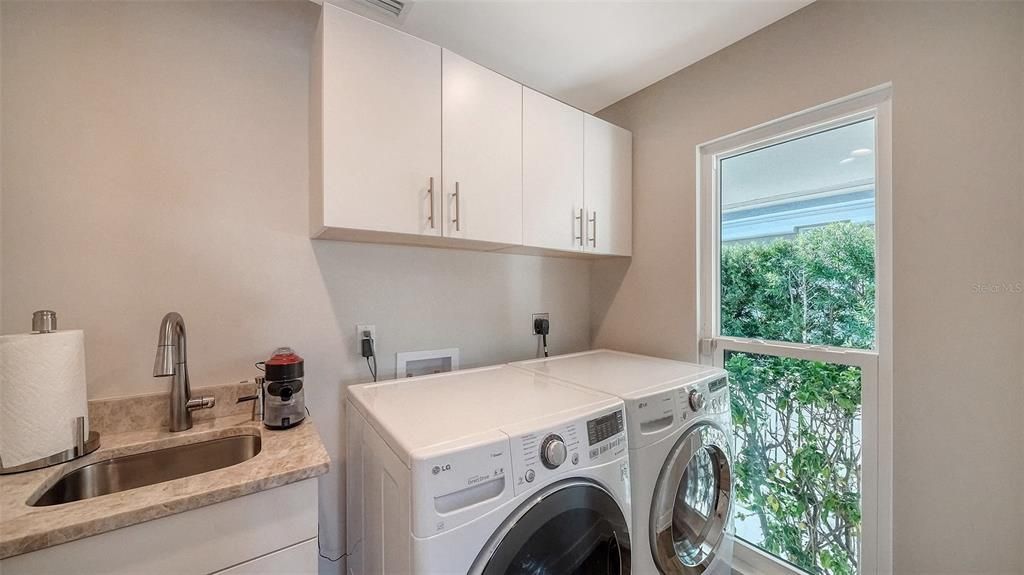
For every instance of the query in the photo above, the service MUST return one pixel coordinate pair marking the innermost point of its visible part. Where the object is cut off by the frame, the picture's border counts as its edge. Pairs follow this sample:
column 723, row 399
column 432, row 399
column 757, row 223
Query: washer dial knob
column 552, row 451
column 696, row 400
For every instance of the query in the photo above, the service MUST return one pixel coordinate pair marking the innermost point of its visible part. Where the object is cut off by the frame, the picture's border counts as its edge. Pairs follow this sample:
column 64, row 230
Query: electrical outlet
column 361, row 330
column 535, row 317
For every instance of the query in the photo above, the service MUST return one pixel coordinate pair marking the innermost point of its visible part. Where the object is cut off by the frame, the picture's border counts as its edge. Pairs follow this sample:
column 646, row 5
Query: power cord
column 373, row 368
column 320, row 552
column 541, row 327
column 369, row 352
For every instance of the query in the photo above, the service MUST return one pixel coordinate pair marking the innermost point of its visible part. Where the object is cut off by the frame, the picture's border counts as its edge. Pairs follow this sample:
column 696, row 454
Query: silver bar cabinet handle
column 430, row 192
column 579, row 218
column 593, row 220
column 456, row 196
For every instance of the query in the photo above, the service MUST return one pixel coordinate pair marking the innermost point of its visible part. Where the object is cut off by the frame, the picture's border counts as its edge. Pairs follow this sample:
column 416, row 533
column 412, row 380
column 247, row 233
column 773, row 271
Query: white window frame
column 875, row 364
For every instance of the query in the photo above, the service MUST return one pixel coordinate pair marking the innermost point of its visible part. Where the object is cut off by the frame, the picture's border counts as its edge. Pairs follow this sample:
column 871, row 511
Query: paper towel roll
column 42, row 392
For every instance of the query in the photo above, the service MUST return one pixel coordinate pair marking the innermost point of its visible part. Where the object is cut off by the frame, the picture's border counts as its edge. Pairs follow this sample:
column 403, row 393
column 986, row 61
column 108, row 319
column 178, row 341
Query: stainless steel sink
column 131, row 471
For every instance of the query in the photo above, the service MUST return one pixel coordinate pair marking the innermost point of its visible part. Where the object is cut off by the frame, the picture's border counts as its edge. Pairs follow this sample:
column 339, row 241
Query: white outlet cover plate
column 535, row 317
column 360, row 328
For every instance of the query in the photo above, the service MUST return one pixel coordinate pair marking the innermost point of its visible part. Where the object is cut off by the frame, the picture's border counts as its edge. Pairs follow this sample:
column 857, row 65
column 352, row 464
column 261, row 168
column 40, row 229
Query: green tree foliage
column 797, row 422
column 817, row 288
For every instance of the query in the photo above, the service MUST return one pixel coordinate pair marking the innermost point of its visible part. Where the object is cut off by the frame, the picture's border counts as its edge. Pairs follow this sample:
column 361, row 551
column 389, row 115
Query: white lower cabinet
column 272, row 531
column 300, row 558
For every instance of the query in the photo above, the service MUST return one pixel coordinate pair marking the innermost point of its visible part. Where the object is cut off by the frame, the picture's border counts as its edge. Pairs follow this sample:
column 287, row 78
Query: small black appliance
column 284, row 400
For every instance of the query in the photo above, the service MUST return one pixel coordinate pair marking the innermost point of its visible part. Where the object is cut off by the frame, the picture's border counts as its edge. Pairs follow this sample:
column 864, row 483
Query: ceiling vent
column 393, row 7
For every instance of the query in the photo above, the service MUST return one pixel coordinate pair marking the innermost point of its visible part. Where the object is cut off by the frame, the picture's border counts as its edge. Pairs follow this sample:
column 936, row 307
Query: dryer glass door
column 692, row 501
column 572, row 527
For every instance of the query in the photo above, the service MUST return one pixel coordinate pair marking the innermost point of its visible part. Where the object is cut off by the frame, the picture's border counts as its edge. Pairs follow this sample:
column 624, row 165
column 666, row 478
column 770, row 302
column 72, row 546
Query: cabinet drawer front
column 299, row 559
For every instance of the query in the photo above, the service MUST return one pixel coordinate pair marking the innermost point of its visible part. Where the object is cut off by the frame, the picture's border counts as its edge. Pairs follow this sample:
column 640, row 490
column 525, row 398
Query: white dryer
column 486, row 471
column 679, row 427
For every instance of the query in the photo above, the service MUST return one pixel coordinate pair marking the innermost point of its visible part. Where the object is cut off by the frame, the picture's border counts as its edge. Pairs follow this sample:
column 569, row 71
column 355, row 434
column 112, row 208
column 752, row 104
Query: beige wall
column 1, row 169
column 156, row 160
column 958, row 76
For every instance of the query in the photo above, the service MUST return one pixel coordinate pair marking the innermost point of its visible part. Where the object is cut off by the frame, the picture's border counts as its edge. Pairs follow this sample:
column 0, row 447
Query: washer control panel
column 541, row 455
column 718, row 394
column 553, row 451
column 696, row 400
column 604, row 434
column 705, row 398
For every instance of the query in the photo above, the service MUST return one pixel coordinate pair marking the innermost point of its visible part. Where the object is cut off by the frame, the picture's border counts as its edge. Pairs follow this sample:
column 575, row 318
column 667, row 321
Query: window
column 794, row 304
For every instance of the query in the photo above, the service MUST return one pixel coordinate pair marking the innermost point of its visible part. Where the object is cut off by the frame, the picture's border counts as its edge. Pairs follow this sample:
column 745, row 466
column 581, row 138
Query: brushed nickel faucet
column 171, row 361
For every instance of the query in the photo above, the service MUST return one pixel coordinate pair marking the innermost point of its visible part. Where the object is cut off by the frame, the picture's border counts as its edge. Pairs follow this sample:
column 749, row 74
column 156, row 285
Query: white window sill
column 749, row 560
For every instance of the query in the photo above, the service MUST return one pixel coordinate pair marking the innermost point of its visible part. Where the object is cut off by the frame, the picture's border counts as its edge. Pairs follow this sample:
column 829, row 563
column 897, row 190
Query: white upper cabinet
column 553, row 208
column 381, row 127
column 482, row 124
column 413, row 144
column 608, row 187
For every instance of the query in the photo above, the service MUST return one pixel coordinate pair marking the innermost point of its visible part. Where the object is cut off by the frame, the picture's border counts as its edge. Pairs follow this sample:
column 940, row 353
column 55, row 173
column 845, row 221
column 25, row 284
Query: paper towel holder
column 83, row 446
column 45, row 321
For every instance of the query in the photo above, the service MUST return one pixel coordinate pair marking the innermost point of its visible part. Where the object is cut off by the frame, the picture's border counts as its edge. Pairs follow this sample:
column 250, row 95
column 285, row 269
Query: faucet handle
column 259, row 391
column 204, row 402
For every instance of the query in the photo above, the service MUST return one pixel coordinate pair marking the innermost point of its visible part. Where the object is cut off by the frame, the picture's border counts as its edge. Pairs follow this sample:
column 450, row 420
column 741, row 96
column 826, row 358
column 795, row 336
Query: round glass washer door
column 692, row 502
column 571, row 527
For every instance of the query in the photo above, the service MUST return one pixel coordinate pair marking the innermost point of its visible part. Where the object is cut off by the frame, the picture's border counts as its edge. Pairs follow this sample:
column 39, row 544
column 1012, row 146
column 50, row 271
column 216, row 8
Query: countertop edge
column 19, row 545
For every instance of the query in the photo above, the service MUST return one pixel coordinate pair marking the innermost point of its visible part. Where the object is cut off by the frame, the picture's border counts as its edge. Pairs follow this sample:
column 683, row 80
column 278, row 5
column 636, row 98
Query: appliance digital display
column 604, row 427
column 717, row 384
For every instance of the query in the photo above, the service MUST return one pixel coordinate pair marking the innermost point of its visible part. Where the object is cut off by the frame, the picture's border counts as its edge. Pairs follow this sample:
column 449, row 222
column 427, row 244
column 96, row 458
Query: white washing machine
column 680, row 452
column 486, row 471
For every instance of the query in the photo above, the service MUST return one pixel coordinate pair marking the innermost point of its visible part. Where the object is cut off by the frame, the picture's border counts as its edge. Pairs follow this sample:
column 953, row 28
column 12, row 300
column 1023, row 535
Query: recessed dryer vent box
column 413, row 363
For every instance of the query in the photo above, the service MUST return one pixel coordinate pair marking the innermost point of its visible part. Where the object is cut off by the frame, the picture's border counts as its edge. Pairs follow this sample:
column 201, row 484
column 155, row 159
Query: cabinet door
column 608, row 187
column 381, row 107
column 483, row 152
column 553, row 210
column 299, row 559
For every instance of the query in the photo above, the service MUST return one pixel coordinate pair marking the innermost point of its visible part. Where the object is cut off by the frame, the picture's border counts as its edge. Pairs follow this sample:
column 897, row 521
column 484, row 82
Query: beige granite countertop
column 286, row 456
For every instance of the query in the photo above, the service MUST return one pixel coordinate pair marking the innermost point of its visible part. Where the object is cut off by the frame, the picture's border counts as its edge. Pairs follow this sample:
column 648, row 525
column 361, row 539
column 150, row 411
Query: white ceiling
column 587, row 53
